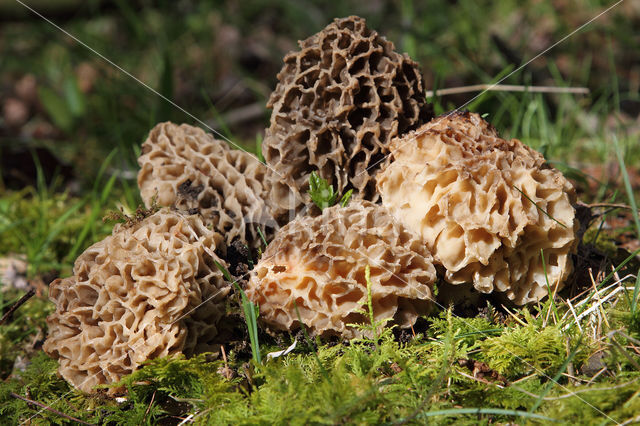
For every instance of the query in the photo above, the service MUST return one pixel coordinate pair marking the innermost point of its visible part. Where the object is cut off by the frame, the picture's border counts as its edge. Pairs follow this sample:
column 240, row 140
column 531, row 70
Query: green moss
column 603, row 239
column 40, row 382
column 614, row 400
column 532, row 348
column 361, row 383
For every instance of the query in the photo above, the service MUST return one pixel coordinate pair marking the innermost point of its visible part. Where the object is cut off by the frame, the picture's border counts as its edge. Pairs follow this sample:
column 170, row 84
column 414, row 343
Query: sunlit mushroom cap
column 490, row 210
column 186, row 167
column 318, row 264
column 146, row 291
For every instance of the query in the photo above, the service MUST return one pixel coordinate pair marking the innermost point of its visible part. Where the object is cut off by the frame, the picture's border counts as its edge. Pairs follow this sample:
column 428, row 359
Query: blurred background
column 71, row 124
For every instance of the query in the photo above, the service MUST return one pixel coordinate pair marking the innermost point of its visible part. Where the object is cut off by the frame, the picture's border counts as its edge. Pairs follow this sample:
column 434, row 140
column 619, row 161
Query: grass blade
column 345, row 198
column 634, row 212
column 551, row 296
column 251, row 313
column 636, row 290
column 627, row 186
column 540, row 208
column 56, row 229
column 264, row 240
column 494, row 411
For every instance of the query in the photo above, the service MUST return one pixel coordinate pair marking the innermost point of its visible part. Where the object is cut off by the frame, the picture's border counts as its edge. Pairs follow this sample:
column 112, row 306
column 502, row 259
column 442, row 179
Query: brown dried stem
column 46, row 407
column 9, row 314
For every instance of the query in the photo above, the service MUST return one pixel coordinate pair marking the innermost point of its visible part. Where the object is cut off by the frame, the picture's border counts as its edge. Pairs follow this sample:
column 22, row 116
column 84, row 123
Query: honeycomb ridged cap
column 183, row 166
column 486, row 207
column 318, row 264
column 146, row 291
column 339, row 101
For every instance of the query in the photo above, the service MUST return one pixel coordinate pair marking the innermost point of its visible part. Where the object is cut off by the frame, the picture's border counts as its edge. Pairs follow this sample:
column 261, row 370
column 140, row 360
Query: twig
column 46, row 407
column 224, row 356
column 595, row 376
column 479, row 380
column 153, row 397
column 507, row 88
column 609, row 205
column 12, row 309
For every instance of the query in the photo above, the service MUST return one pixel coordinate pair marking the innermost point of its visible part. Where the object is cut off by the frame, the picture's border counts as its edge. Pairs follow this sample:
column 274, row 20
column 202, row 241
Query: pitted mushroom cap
column 319, row 264
column 339, row 101
column 188, row 168
column 146, row 291
column 479, row 203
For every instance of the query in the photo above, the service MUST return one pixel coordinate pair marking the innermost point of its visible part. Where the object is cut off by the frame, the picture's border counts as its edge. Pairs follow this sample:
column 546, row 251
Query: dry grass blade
column 7, row 316
column 506, row 88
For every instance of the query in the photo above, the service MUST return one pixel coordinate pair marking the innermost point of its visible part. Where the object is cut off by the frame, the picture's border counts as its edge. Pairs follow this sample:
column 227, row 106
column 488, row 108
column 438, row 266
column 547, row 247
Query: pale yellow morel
column 489, row 210
column 339, row 101
column 149, row 290
column 318, row 264
column 182, row 165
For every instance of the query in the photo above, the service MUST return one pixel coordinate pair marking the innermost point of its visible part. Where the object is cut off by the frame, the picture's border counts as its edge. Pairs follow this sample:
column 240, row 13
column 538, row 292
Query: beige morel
column 339, row 101
column 137, row 295
column 318, row 264
column 186, row 167
column 486, row 207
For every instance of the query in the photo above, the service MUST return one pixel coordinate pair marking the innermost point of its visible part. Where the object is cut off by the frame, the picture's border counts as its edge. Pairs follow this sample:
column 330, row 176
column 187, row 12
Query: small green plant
column 323, row 194
column 251, row 313
column 373, row 328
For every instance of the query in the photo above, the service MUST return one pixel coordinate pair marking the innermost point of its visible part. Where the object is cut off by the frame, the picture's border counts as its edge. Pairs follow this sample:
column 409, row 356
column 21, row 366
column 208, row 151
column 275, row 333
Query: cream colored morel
column 490, row 210
column 146, row 291
column 318, row 264
column 339, row 101
column 186, row 167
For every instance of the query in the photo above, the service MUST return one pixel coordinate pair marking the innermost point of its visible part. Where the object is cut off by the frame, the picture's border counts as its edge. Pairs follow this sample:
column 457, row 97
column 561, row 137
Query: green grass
column 195, row 61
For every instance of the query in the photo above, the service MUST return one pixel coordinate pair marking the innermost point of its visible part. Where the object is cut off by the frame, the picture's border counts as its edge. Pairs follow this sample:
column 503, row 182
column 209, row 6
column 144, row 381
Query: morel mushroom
column 485, row 207
column 137, row 295
column 318, row 264
column 186, row 167
column 338, row 103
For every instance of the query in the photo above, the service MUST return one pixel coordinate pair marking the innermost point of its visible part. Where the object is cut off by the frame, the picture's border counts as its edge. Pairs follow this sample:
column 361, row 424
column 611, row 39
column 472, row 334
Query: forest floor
column 71, row 126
